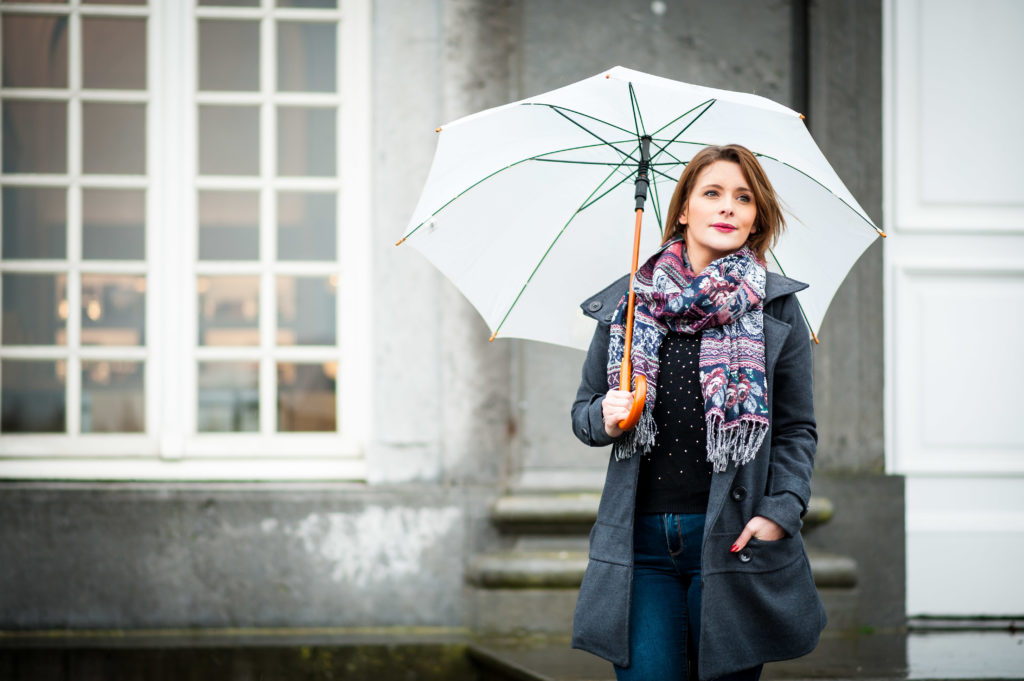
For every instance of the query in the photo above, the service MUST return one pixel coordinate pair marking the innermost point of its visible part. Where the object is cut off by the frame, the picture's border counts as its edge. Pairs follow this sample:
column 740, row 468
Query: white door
column 954, row 208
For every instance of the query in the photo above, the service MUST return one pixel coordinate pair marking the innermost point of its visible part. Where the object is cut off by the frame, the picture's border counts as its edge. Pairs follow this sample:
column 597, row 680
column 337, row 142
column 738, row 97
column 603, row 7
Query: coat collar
column 601, row 305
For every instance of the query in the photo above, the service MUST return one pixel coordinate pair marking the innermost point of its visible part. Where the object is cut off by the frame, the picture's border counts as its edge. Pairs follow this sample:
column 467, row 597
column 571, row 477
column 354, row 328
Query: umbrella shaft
column 626, row 368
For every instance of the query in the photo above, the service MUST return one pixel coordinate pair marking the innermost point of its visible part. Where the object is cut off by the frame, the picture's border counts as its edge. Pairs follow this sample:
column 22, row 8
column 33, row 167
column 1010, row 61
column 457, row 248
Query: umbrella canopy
column 528, row 206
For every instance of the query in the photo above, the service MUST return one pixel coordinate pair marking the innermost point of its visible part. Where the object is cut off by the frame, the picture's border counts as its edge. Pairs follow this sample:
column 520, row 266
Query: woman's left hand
column 761, row 528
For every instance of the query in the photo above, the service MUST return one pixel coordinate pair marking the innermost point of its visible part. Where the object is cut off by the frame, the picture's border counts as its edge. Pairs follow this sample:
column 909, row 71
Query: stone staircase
column 529, row 585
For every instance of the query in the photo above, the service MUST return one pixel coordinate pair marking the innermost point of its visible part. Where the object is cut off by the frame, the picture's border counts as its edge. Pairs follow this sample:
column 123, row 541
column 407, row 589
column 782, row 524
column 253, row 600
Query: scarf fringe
column 742, row 439
column 641, row 438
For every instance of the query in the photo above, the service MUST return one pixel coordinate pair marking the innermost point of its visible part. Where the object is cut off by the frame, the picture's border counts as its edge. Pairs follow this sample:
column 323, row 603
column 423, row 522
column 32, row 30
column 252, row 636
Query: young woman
column 696, row 559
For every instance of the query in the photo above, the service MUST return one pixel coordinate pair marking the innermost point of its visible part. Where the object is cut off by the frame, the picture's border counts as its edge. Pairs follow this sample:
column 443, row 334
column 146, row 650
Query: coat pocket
column 611, row 544
column 601, row 621
column 756, row 556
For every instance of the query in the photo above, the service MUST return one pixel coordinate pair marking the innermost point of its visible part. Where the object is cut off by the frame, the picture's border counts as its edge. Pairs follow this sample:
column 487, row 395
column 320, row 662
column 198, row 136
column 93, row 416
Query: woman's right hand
column 614, row 408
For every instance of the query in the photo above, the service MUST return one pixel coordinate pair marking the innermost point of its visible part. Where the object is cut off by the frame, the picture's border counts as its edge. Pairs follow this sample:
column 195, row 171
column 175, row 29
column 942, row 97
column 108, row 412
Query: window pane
column 35, row 309
column 306, row 226
column 114, row 2
column 229, row 140
column 306, row 310
column 307, row 3
column 34, row 222
column 113, row 397
column 229, row 55
column 305, row 141
column 113, row 138
column 229, row 310
column 113, row 309
column 35, row 137
column 113, row 224
column 229, row 225
column 35, row 51
column 229, row 397
column 306, row 397
column 114, row 53
column 306, row 56
column 32, row 396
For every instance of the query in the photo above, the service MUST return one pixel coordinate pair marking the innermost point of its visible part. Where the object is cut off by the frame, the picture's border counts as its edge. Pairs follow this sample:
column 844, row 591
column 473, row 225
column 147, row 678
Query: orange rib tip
column 400, row 241
column 437, row 129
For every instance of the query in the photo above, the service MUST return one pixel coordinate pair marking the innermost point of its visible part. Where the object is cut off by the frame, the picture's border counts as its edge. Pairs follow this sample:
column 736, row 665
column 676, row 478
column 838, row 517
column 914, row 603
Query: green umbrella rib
column 798, row 303
column 586, row 202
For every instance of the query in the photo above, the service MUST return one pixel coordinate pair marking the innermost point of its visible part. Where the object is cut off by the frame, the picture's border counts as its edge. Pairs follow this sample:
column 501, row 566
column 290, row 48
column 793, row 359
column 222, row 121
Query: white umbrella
column 527, row 206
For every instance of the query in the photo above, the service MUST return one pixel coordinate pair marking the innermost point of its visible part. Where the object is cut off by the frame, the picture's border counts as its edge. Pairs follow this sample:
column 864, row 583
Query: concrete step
column 575, row 512
column 564, row 569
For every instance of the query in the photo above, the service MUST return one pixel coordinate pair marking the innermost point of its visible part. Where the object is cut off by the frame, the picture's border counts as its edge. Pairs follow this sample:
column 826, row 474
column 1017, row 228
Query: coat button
column 594, row 305
column 739, row 493
column 608, row 317
column 745, row 556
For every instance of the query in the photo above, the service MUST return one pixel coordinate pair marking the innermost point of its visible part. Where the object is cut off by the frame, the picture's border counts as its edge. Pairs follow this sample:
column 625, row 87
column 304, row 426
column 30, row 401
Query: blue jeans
column 664, row 618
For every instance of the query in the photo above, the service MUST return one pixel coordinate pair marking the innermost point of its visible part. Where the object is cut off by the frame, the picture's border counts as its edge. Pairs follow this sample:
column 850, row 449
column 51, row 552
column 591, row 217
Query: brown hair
column 768, row 223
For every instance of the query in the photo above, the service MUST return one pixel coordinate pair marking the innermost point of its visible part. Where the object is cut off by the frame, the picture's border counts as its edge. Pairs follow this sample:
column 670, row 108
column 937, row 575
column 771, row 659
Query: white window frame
column 170, row 448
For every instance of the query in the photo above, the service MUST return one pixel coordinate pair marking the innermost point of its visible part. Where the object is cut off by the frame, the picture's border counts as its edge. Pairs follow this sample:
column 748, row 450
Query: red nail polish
column 734, row 549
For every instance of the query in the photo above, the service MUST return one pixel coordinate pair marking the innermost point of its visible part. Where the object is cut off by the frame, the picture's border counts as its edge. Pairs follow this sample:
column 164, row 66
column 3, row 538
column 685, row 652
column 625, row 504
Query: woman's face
column 719, row 213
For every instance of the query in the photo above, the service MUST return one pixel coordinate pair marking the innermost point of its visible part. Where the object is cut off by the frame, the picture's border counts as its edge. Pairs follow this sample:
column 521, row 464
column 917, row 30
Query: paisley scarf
column 725, row 303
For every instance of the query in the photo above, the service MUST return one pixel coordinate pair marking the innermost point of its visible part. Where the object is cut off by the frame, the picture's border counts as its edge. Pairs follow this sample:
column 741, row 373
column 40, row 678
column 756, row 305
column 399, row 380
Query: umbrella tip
column 884, row 235
column 437, row 129
column 802, row 117
column 815, row 337
column 400, row 241
column 493, row 336
column 607, row 75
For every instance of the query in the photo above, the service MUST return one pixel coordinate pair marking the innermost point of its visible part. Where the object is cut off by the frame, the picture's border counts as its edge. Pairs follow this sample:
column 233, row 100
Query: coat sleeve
column 794, row 436
column 587, row 421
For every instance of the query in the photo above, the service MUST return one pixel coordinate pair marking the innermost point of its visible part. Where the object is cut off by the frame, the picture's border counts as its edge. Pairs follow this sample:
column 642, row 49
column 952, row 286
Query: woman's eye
column 744, row 198
column 711, row 192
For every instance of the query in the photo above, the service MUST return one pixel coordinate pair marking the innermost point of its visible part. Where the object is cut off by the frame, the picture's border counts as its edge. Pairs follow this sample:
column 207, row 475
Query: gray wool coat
column 759, row 604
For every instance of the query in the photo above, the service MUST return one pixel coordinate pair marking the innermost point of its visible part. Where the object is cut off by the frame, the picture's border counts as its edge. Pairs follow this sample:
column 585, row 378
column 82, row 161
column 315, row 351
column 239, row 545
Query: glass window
column 113, row 138
column 35, row 51
column 35, row 308
column 35, row 136
column 229, row 55
column 229, row 225
column 32, row 396
column 113, row 224
column 305, row 396
column 306, row 310
column 114, row 53
column 229, row 140
column 113, row 399
column 306, row 56
column 34, row 222
column 229, row 398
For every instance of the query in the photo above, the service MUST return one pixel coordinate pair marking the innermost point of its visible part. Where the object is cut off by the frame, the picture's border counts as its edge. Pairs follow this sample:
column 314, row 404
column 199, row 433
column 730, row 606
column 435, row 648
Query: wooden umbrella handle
column 639, row 397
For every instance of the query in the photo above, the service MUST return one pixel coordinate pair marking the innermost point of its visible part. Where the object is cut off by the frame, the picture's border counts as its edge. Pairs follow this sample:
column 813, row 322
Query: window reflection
column 114, row 53
column 34, row 222
column 228, row 310
column 113, row 224
column 35, row 309
column 306, row 397
column 306, row 226
column 229, row 398
column 229, row 55
column 306, row 141
column 229, row 140
column 35, row 51
column 306, row 56
column 113, row 309
column 113, row 397
column 35, row 136
column 229, row 225
column 113, row 138
column 306, row 310
column 32, row 396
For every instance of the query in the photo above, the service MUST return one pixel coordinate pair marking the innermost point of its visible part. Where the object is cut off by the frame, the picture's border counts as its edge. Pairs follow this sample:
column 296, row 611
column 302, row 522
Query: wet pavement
column 454, row 656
